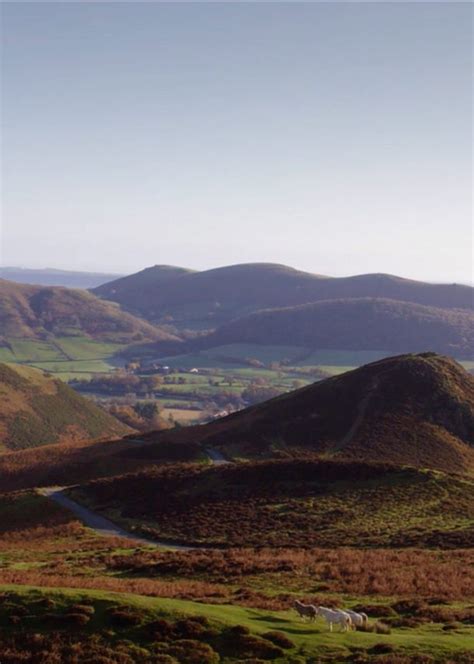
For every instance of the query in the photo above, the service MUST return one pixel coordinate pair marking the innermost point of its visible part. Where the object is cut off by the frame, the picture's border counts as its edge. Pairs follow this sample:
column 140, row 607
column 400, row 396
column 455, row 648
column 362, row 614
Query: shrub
column 124, row 617
column 407, row 621
column 382, row 649
column 83, row 608
column 189, row 651
column 409, row 606
column 189, row 628
column 381, row 628
column 279, row 639
column 46, row 602
column 75, row 619
column 376, row 610
column 254, row 646
column 160, row 629
column 450, row 627
column 238, row 630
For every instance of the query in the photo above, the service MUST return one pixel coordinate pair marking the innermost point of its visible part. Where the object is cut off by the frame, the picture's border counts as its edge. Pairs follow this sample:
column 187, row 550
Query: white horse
column 358, row 619
column 335, row 617
column 305, row 610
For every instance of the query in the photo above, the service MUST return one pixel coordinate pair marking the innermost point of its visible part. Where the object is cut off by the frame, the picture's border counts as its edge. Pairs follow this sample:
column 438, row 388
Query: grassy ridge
column 40, row 313
column 292, row 503
column 137, row 619
column 36, row 410
column 237, row 290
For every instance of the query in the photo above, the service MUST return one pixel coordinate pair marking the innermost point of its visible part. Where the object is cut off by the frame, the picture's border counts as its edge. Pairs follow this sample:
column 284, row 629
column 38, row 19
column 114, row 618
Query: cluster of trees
column 119, row 383
column 142, row 415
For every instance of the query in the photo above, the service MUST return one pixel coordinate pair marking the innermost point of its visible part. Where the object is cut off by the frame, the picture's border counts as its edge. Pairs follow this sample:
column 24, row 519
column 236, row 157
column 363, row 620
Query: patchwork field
column 230, row 377
column 65, row 357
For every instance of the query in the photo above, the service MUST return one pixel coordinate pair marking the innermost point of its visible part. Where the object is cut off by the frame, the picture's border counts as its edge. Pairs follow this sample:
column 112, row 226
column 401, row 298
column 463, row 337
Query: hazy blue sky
column 336, row 138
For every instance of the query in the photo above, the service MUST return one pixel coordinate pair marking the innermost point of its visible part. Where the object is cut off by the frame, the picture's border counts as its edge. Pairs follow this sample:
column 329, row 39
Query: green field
column 65, row 357
column 308, row 639
column 26, row 350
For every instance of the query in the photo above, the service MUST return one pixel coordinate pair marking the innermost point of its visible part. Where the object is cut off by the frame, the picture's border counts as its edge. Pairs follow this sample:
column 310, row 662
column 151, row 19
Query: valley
column 194, row 483
column 236, row 332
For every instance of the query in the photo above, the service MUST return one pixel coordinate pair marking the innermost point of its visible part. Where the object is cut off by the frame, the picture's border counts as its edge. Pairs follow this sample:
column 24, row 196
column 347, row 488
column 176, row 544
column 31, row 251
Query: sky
column 332, row 137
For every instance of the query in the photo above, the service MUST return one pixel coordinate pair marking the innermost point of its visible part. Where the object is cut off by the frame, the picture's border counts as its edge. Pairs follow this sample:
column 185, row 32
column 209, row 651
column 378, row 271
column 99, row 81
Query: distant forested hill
column 355, row 324
column 38, row 312
column 205, row 300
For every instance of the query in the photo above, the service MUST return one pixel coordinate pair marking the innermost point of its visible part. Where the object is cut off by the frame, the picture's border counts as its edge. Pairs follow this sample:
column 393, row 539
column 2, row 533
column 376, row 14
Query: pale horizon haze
column 332, row 137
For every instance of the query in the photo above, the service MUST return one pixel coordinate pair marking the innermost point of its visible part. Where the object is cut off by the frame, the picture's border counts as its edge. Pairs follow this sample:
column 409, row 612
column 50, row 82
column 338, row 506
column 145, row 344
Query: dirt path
column 98, row 523
column 361, row 410
column 216, row 457
column 106, row 528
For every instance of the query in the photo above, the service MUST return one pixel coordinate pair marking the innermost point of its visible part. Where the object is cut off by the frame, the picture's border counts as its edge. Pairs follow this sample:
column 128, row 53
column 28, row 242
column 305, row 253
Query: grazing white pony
column 358, row 619
column 335, row 617
column 305, row 610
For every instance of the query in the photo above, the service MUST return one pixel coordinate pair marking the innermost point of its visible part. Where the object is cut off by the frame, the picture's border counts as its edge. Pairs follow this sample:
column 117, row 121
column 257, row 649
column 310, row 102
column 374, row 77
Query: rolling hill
column 36, row 312
column 355, row 324
column 290, row 503
column 380, row 456
column 207, row 299
column 37, row 410
column 52, row 277
column 416, row 410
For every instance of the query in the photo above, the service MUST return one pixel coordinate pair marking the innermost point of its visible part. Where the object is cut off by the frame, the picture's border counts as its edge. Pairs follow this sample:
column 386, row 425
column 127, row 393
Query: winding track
column 106, row 528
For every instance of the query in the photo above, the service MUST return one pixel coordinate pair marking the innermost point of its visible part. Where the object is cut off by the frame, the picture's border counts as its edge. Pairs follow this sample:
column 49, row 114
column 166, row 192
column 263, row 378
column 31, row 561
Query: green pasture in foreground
column 313, row 638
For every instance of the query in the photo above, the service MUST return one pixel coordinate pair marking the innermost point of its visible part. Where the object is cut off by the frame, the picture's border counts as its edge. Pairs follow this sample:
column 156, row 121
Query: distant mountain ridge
column 38, row 312
column 205, row 300
column 355, row 324
column 54, row 277
column 37, row 410
column 416, row 410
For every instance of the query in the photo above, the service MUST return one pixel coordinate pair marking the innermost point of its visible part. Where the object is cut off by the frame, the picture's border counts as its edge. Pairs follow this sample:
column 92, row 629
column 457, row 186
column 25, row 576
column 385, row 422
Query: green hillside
column 37, row 410
column 44, row 313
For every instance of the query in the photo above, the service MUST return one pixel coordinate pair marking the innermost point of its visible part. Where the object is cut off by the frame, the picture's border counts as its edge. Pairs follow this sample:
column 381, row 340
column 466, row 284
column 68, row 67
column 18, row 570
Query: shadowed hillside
column 410, row 409
column 204, row 300
column 37, row 410
column 355, row 324
column 37, row 312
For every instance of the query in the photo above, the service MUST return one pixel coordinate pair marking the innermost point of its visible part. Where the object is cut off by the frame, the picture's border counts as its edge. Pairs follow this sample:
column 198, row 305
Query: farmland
column 65, row 357
column 228, row 377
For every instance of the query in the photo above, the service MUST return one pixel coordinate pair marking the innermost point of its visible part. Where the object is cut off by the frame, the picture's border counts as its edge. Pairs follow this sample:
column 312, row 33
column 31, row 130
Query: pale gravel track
column 106, row 528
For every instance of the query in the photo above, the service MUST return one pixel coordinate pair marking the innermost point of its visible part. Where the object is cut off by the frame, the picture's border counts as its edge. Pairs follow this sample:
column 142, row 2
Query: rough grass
column 420, row 596
column 292, row 503
column 147, row 616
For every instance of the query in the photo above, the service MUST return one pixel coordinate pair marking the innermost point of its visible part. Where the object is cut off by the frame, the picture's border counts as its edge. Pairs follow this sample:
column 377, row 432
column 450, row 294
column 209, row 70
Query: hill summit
column 409, row 409
column 208, row 299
